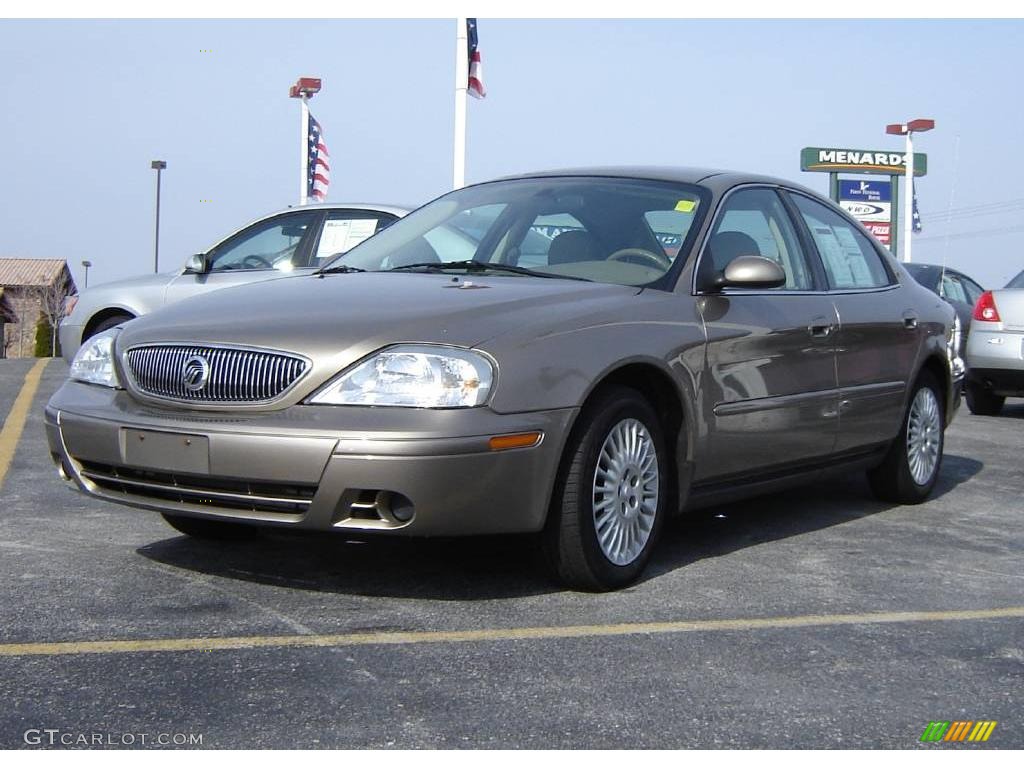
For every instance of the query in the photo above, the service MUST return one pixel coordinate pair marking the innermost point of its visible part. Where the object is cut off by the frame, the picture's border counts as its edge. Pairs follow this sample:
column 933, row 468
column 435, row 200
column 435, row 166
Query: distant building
column 31, row 288
column 7, row 315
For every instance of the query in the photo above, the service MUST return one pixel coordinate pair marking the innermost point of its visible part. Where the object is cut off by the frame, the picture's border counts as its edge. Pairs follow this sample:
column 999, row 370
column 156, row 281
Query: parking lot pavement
column 916, row 616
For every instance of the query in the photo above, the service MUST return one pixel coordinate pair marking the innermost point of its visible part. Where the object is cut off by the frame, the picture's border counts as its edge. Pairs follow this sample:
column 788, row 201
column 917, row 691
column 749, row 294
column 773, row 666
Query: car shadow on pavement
column 504, row 567
column 1013, row 409
column 717, row 531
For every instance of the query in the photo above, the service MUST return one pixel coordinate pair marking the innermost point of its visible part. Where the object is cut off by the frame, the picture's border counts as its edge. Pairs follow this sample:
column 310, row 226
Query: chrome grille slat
column 235, row 376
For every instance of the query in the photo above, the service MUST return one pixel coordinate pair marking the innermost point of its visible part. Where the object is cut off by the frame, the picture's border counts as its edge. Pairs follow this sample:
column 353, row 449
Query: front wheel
column 911, row 467
column 611, row 495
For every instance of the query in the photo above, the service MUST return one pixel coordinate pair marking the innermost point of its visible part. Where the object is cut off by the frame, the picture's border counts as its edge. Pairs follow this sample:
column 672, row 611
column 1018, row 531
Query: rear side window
column 973, row 290
column 953, row 289
column 849, row 259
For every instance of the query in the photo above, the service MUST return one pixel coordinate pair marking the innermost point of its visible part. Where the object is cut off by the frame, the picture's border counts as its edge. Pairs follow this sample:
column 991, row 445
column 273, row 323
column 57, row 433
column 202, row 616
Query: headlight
column 94, row 361
column 413, row 376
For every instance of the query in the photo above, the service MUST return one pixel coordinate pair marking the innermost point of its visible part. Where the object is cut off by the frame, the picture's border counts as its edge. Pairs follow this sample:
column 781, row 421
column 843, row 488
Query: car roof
column 717, row 179
column 398, row 210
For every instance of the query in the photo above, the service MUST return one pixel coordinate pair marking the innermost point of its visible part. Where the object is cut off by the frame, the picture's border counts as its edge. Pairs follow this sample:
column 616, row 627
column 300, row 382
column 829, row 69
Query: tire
column 904, row 477
column 106, row 324
column 631, row 516
column 981, row 402
column 218, row 530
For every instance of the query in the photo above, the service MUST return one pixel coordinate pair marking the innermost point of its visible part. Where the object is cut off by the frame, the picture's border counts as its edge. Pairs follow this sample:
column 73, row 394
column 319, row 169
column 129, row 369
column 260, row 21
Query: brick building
column 31, row 288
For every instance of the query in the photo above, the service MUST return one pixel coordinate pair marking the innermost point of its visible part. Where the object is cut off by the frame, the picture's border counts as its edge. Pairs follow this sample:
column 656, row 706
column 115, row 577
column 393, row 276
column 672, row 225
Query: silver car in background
column 295, row 240
column 597, row 351
column 995, row 349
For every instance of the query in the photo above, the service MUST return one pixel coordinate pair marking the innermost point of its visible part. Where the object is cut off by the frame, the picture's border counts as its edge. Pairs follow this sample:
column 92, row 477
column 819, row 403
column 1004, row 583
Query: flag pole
column 461, row 83
column 302, row 90
column 304, row 149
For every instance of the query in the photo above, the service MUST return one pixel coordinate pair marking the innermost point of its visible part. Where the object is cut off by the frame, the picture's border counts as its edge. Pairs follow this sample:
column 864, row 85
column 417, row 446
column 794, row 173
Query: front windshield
column 607, row 230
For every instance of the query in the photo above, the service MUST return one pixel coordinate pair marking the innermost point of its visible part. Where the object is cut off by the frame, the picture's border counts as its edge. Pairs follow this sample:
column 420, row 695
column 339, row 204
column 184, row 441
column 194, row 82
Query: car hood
column 336, row 319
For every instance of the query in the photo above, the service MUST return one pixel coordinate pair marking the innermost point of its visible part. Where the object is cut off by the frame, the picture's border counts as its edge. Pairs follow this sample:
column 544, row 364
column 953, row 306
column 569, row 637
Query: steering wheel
column 255, row 261
column 660, row 261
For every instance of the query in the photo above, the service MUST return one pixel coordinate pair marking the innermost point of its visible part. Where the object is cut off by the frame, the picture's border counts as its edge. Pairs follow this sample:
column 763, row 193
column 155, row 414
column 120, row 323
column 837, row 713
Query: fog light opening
column 396, row 506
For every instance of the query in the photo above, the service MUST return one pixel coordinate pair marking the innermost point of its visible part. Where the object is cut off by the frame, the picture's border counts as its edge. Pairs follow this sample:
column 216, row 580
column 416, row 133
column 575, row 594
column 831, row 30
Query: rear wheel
column 982, row 402
column 911, row 467
column 201, row 528
column 611, row 495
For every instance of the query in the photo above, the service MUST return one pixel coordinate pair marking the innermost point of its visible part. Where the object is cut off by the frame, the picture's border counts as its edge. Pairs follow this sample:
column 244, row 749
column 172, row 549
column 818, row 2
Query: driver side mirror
column 751, row 272
column 197, row 265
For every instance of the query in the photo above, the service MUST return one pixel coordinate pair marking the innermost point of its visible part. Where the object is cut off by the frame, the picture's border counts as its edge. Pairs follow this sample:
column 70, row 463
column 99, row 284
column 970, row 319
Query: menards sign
column 840, row 160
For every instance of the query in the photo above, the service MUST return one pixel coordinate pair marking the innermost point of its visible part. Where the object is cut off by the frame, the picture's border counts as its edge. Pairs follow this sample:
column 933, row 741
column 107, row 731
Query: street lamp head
column 158, row 165
column 86, row 263
column 914, row 126
column 304, row 87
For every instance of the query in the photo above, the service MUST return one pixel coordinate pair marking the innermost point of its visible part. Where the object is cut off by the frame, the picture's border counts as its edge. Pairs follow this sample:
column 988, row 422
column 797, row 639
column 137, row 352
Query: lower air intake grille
column 192, row 489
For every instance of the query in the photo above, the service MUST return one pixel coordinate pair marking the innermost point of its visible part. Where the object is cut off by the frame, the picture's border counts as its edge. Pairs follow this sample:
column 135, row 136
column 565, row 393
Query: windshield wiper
column 340, row 268
column 472, row 265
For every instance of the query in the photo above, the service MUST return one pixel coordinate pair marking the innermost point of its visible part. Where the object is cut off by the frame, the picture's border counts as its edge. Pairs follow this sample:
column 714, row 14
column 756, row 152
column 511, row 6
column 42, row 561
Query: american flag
column 916, row 218
column 318, row 169
column 476, row 72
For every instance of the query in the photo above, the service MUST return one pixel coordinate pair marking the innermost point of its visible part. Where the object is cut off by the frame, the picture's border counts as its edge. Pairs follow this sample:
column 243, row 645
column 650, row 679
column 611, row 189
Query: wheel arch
column 105, row 314
column 938, row 366
column 675, row 410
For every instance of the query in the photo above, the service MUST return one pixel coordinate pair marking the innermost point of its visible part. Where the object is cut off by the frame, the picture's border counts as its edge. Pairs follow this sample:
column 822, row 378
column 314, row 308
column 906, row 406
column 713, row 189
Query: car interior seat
column 572, row 246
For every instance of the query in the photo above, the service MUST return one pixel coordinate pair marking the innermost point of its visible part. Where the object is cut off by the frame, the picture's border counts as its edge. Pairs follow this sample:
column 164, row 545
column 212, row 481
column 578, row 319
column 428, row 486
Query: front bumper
column 70, row 336
column 396, row 470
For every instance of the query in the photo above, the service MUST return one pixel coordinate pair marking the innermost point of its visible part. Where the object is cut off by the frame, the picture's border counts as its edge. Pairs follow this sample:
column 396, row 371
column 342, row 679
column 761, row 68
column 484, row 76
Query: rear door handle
column 820, row 327
column 910, row 321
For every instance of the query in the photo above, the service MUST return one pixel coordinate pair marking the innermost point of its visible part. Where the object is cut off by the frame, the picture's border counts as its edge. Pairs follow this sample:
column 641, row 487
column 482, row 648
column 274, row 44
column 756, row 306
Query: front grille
column 226, row 493
column 225, row 375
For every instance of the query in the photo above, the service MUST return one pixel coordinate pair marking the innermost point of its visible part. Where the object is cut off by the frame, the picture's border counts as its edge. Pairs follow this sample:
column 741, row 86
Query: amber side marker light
column 524, row 440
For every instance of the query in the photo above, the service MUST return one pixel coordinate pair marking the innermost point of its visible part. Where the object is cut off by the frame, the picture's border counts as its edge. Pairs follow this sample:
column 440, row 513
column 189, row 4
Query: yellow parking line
column 483, row 635
column 15, row 421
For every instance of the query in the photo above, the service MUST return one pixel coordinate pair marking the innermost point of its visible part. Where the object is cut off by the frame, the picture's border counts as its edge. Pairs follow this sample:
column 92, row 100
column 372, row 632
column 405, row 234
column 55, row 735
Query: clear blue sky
column 88, row 105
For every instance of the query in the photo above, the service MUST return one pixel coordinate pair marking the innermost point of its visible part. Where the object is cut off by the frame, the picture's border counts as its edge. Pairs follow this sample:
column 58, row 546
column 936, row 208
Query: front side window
column 754, row 222
column 601, row 229
column 849, row 259
column 273, row 244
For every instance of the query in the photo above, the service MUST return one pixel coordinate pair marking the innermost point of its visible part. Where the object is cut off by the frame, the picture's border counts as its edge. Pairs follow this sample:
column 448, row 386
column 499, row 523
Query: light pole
column 157, row 165
column 86, row 264
column 908, row 129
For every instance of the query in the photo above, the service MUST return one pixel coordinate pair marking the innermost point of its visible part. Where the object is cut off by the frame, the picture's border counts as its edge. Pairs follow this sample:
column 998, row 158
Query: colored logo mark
column 959, row 730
